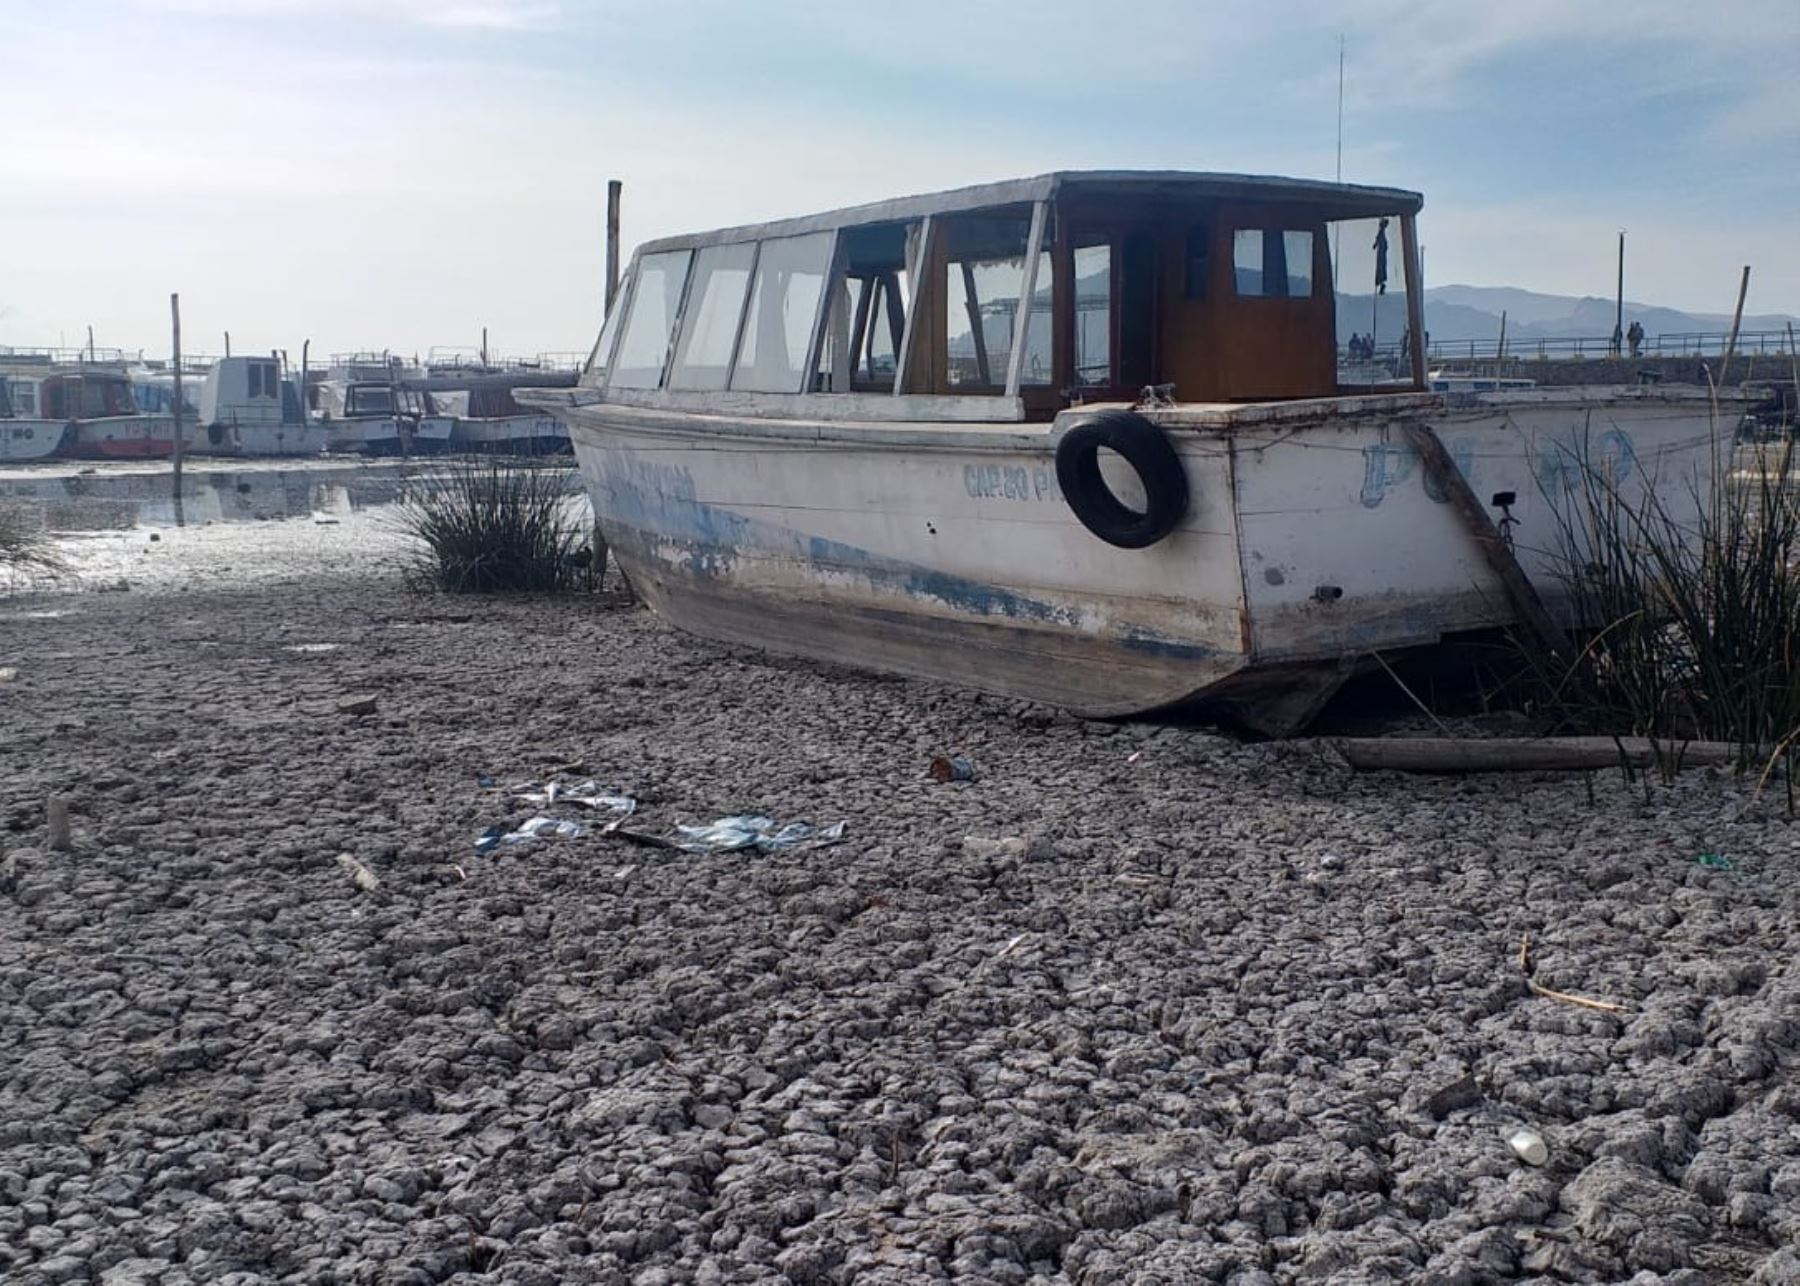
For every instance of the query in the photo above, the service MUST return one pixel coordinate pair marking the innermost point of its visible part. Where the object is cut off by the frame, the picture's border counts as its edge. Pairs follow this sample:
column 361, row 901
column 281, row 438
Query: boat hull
column 389, row 436
column 22, row 440
column 241, row 441
column 511, row 435
column 946, row 551
column 123, row 437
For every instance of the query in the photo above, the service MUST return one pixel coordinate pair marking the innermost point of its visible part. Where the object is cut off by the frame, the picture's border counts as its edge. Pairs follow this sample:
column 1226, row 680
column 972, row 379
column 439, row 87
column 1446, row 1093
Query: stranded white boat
column 1084, row 439
column 247, row 408
column 24, row 436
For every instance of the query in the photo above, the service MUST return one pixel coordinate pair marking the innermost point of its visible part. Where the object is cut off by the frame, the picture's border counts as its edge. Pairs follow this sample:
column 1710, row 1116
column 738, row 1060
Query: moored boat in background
column 23, row 434
column 248, row 409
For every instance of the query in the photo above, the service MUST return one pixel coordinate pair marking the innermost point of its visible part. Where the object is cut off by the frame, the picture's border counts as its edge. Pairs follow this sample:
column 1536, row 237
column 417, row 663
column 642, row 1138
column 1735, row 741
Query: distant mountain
column 1473, row 312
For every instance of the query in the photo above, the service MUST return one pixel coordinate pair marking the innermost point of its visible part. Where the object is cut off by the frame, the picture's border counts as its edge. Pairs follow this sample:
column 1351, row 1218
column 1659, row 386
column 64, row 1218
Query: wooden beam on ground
column 1518, row 754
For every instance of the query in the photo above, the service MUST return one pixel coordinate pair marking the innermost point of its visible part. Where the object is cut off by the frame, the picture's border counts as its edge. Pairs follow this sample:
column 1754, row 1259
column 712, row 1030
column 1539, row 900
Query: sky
column 398, row 174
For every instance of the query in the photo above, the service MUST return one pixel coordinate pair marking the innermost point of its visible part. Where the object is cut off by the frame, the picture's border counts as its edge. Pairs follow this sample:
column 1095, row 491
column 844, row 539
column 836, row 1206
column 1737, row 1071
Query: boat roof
column 1340, row 200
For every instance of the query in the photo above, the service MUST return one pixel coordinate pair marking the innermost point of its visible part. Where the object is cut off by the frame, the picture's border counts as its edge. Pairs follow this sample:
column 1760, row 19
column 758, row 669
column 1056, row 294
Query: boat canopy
column 1064, row 288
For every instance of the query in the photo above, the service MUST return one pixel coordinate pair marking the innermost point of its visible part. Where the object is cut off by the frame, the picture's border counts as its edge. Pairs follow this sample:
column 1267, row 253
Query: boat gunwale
column 785, row 417
column 1354, row 200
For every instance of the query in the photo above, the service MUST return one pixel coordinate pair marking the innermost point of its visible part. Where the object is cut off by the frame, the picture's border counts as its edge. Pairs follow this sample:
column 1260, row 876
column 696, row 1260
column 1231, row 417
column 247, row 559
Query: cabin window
column 984, row 277
column 1272, row 264
column 866, row 317
column 1093, row 315
column 24, row 400
column 655, row 300
column 715, row 306
column 1197, row 262
column 1297, row 250
column 6, row 407
column 369, row 399
column 609, row 330
column 783, row 314
column 878, row 352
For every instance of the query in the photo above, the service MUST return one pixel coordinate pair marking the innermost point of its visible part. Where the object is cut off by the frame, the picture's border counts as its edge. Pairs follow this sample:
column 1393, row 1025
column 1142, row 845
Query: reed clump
column 1691, row 619
column 26, row 550
column 496, row 526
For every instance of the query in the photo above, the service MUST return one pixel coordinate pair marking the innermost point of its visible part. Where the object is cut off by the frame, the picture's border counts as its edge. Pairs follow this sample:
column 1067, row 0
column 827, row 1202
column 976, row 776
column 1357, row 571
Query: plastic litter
column 742, row 831
column 952, row 768
column 587, row 793
column 536, row 828
column 1530, row 1146
column 1713, row 861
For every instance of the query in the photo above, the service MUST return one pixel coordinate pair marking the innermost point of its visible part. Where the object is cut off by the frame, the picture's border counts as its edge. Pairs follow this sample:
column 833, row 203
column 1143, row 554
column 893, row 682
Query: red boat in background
column 103, row 416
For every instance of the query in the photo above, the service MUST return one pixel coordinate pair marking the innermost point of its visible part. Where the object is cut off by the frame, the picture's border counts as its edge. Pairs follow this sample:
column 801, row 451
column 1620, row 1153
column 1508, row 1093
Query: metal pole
column 1737, row 318
column 613, row 188
column 175, row 332
column 1619, row 310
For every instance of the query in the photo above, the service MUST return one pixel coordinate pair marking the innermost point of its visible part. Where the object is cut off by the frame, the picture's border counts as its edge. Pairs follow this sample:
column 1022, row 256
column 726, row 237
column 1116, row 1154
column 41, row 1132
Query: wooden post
column 1415, row 302
column 1737, row 318
column 484, row 348
column 613, row 189
column 228, row 343
column 175, row 332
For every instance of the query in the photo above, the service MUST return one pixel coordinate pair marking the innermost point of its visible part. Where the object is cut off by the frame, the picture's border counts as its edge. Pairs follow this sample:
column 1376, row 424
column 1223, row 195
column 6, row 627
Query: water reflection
column 99, row 498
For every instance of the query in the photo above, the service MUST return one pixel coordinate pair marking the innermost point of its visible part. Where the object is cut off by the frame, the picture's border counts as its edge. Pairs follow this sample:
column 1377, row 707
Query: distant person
column 1635, row 336
column 1618, row 341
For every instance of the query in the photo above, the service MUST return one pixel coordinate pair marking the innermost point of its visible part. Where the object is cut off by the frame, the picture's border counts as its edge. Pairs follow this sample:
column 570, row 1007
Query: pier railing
column 1677, row 344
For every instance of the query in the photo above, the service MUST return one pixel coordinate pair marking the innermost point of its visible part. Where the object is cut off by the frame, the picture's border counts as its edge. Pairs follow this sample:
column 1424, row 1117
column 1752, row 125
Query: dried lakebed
column 1231, row 1014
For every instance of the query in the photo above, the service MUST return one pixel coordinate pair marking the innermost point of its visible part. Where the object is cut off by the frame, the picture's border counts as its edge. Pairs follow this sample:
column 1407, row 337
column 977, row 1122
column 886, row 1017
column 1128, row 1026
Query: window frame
column 821, row 311
column 637, row 276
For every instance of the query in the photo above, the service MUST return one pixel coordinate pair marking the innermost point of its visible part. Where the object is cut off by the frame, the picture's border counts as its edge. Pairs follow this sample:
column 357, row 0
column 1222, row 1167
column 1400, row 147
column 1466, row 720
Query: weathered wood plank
column 1513, row 754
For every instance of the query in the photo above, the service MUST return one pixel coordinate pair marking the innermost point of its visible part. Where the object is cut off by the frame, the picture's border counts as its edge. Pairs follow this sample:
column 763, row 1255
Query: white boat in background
column 104, row 419
column 841, row 436
column 23, row 434
column 378, row 417
column 489, row 421
column 248, row 409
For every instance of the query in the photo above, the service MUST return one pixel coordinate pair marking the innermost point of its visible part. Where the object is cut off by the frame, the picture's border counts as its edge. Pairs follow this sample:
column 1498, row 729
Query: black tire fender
column 1147, row 450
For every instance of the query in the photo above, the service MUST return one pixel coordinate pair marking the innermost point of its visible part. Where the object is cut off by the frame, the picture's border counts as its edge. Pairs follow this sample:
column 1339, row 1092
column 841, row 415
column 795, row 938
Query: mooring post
column 175, row 331
column 613, row 189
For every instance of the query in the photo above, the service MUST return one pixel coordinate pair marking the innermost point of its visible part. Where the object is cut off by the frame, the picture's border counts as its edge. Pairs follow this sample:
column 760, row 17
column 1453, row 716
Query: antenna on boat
column 1340, row 118
column 1337, row 228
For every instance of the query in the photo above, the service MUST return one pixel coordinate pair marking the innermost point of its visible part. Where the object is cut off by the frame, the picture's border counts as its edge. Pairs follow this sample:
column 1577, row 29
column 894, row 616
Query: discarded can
column 1530, row 1146
column 952, row 768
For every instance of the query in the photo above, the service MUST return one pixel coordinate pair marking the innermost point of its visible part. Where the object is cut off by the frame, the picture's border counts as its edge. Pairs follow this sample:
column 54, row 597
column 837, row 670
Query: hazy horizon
column 399, row 173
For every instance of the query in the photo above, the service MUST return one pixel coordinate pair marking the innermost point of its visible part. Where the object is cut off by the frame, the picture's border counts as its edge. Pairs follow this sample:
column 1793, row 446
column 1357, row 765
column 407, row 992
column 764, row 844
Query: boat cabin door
column 1107, row 328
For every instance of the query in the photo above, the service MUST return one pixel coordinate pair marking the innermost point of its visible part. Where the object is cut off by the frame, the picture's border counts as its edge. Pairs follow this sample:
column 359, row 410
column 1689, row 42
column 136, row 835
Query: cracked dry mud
column 1231, row 1015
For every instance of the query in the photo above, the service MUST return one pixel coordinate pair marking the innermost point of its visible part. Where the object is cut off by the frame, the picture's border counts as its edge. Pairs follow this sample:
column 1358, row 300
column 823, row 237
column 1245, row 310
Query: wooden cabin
column 1045, row 292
